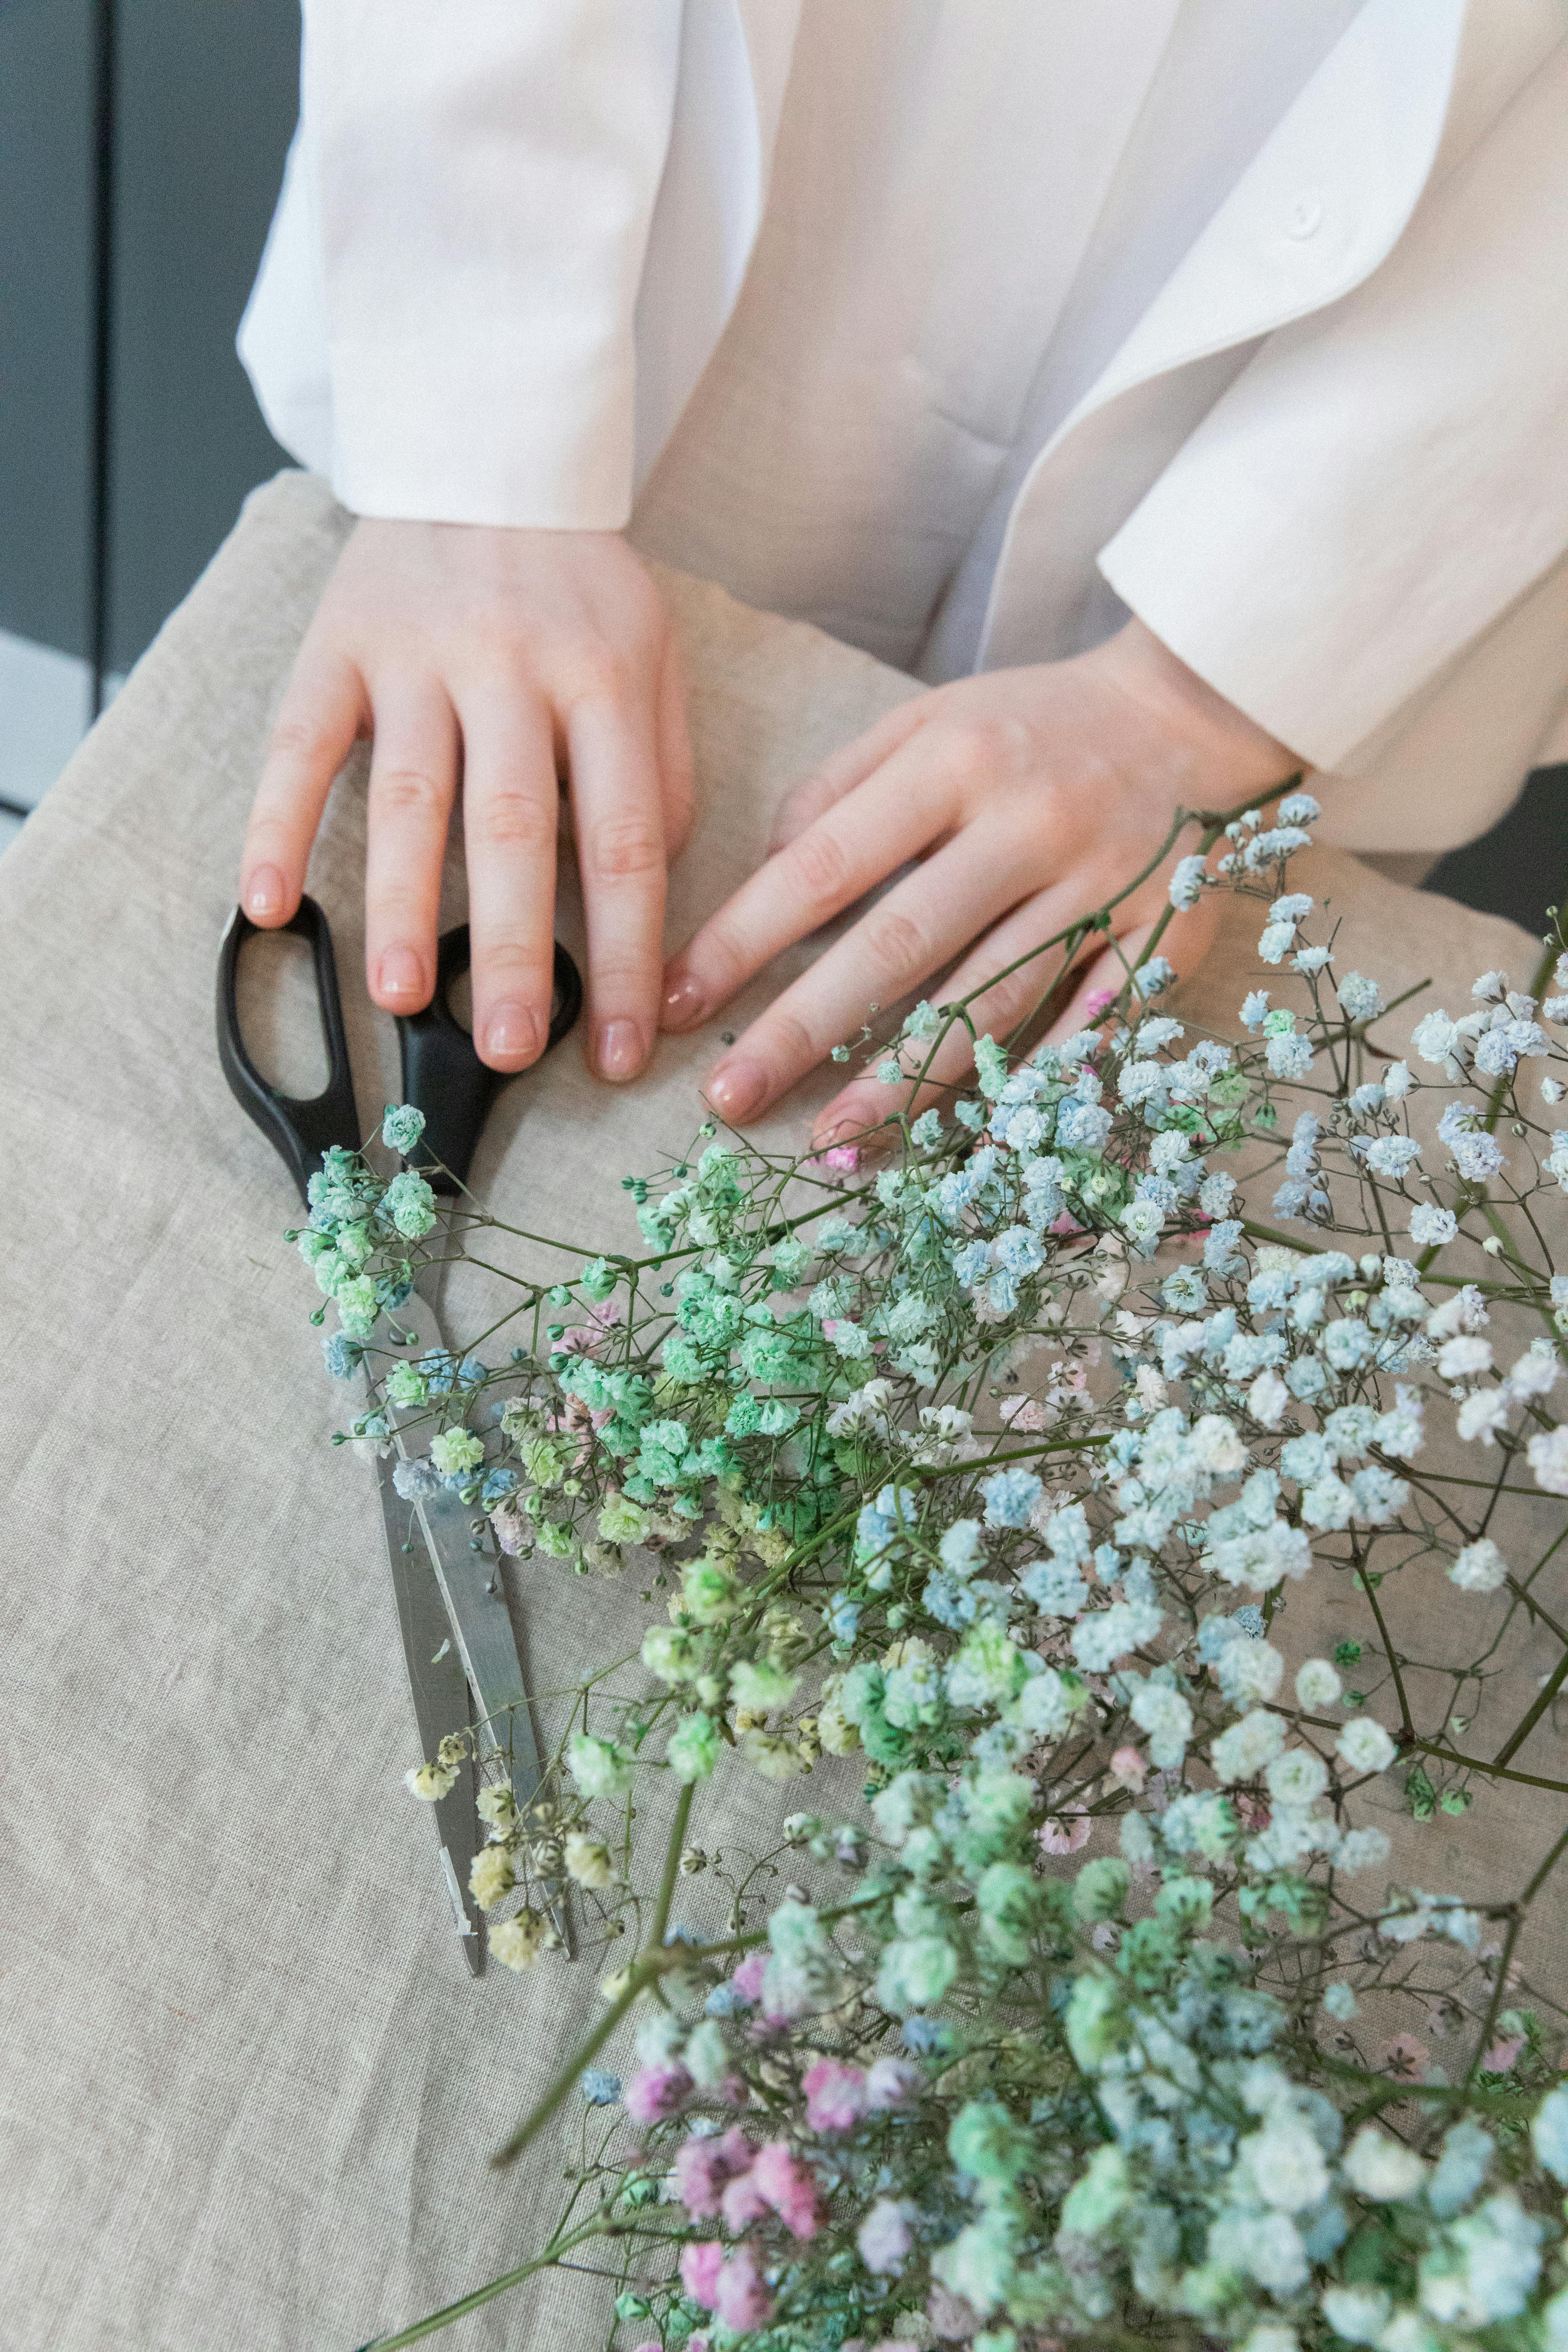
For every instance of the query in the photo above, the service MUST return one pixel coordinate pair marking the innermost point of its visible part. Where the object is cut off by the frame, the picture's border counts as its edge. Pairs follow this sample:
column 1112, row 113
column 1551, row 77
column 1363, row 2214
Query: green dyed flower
column 709, row 1593
column 669, row 1652
column 456, row 1450
column 693, row 1747
column 357, row 1305
column 598, row 1766
column 761, row 1688
column 621, row 1521
column 1101, row 1887
column 410, row 1203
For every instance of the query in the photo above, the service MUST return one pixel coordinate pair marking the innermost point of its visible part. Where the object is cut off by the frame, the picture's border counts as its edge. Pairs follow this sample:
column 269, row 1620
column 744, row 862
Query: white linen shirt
column 963, row 334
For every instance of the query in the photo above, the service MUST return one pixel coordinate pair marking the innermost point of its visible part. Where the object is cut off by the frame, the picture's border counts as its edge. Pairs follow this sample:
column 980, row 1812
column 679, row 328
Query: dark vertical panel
column 208, row 91
column 46, row 320
column 1520, row 867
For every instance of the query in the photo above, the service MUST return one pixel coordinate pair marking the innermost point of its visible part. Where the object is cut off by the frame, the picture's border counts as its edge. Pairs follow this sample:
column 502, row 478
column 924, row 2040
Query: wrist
column 1234, row 754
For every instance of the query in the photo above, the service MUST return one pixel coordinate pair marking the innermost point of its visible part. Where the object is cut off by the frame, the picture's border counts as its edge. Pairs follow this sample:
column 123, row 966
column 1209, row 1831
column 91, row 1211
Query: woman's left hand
column 1030, row 797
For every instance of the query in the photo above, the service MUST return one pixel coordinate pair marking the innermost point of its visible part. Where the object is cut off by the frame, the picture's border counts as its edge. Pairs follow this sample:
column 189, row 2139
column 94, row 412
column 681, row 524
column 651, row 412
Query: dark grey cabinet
column 141, row 143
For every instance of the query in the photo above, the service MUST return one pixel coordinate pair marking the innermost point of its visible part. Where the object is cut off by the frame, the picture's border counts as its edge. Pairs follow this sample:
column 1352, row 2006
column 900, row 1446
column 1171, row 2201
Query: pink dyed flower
column 1130, row 1767
column 1407, row 2059
column 843, row 1156
column 704, row 2166
column 512, row 1529
column 1063, row 1833
column 953, row 2319
column 699, row 2268
column 742, row 2203
column 834, row 2096
column 788, row 2186
column 1065, row 1225
column 1097, row 1001
column 1503, row 2053
column 742, row 2300
column 748, row 1978
column 1027, row 1414
column 587, row 1339
column 892, row 2083
column 884, row 2237
column 657, row 2091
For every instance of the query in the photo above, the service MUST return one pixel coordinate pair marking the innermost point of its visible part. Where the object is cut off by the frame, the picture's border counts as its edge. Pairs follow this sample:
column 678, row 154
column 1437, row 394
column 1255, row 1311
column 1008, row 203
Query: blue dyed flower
column 600, row 2087
column 341, row 1355
column 414, row 1480
column 1010, row 1497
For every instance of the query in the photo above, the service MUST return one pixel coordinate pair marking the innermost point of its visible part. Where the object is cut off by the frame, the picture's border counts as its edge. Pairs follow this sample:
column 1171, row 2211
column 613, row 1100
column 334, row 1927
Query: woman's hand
column 504, row 658
column 1029, row 798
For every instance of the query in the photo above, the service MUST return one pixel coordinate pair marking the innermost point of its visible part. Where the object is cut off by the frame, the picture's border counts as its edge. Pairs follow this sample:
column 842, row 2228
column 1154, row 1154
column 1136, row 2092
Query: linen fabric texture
column 247, row 2089
column 964, row 333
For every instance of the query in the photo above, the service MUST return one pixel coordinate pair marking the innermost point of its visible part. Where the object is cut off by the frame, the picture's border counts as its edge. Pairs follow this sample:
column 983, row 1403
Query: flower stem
column 436, row 2320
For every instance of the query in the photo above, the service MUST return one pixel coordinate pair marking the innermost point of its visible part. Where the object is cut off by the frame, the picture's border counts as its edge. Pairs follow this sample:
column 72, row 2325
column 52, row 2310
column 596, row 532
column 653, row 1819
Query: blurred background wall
column 141, row 144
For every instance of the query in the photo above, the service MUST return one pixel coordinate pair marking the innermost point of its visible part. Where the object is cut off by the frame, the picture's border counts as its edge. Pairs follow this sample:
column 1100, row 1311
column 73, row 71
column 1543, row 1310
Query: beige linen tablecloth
column 246, row 2091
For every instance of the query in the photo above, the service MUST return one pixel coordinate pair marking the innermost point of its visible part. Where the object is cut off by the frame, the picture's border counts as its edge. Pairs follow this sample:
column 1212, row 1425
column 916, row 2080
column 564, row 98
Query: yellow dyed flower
column 772, row 1754
column 431, row 1781
column 588, row 1861
column 498, row 1807
column 518, row 1942
column 491, row 1876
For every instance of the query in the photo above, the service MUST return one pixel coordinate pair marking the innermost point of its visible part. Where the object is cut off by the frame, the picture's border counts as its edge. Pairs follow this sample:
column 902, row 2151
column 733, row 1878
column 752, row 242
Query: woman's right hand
column 501, row 658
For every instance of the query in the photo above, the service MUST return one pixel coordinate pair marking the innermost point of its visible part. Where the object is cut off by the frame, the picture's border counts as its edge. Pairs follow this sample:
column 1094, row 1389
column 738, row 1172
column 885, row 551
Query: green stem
column 480, row 2296
column 1478, row 1764
column 1484, row 2039
column 544, row 2106
column 672, row 1853
column 1549, row 1691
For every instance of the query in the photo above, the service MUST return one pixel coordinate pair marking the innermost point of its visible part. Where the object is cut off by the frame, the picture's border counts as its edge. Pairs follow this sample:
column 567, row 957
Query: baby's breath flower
column 518, row 1942
column 588, row 1861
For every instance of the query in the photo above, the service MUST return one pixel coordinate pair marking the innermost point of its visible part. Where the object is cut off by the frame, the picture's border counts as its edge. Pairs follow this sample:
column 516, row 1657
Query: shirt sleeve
column 485, row 172
column 1387, row 478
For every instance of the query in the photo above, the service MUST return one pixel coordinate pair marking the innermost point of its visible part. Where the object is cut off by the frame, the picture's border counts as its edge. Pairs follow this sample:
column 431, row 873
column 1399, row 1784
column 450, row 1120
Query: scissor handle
column 442, row 1073
column 299, row 1127
column 444, row 1076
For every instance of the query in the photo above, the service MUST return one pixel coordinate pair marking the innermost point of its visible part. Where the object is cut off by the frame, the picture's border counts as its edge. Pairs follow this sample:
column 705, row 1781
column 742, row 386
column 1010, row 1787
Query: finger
column 620, row 825
column 898, row 813
column 510, row 812
column 996, row 999
column 1113, row 976
column 916, row 929
column 677, row 787
column 1102, row 973
column 412, row 783
column 322, row 710
column 842, row 771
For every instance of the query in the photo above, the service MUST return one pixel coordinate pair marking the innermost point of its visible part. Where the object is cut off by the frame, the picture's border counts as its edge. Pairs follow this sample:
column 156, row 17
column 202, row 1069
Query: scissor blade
column 440, row 1689
column 470, row 1583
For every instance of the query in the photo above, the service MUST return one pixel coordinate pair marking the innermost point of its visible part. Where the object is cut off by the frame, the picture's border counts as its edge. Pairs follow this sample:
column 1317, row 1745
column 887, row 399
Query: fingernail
column 511, row 1032
column 684, row 1003
column 620, row 1049
column 264, row 894
column 737, row 1090
column 400, row 973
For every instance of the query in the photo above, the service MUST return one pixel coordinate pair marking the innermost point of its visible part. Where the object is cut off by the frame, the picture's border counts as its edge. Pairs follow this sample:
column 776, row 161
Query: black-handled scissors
column 456, row 1630
column 442, row 1073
